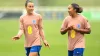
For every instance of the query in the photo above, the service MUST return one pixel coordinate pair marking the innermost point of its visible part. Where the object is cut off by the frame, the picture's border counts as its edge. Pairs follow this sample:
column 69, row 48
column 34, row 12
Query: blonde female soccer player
column 32, row 27
column 76, row 25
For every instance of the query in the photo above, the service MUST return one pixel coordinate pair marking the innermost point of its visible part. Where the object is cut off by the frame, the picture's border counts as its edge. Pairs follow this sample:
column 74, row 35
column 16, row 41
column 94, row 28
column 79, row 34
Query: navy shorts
column 32, row 49
column 76, row 52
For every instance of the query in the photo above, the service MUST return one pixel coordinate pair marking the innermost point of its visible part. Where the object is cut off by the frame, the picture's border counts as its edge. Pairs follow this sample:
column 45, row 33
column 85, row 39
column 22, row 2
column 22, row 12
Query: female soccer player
column 31, row 26
column 76, row 25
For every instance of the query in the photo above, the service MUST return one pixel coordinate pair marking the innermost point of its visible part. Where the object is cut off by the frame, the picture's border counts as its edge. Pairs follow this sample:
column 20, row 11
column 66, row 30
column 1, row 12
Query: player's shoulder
column 22, row 16
column 68, row 17
column 38, row 15
column 83, row 17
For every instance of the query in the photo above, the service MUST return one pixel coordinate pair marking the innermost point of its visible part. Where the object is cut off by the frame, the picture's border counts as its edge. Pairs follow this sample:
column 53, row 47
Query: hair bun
column 80, row 10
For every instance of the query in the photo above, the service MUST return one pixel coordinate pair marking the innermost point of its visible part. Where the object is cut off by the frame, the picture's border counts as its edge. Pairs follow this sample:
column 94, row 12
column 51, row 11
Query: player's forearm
column 42, row 34
column 20, row 33
column 84, row 31
column 63, row 31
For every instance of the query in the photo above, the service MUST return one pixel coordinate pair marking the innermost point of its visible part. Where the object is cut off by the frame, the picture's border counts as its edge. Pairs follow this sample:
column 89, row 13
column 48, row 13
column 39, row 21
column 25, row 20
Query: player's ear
column 75, row 10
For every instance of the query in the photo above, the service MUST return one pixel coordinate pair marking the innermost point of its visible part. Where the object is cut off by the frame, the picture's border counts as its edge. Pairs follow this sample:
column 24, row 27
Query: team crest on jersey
column 78, row 26
column 34, row 21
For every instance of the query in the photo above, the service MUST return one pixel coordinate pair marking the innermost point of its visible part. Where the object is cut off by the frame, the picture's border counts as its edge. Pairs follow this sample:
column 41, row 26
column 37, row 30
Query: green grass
column 20, row 3
column 58, row 42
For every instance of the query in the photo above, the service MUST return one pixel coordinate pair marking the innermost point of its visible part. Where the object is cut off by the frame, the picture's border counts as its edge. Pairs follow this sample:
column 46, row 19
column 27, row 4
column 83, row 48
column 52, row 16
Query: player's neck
column 29, row 13
column 74, row 15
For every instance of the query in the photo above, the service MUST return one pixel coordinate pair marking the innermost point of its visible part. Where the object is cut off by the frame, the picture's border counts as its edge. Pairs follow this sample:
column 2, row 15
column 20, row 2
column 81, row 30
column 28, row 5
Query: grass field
column 20, row 3
column 58, row 42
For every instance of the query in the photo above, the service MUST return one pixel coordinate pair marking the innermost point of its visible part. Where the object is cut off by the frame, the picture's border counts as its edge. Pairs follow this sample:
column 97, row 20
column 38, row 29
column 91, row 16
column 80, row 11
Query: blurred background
column 53, row 13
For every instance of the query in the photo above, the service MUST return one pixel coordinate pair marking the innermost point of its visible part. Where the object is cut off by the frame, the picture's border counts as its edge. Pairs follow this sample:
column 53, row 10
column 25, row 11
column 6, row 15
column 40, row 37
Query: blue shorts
column 32, row 49
column 76, row 52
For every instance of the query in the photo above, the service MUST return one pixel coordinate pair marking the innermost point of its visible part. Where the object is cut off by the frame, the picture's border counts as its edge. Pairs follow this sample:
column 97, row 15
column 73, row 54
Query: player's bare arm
column 83, row 31
column 17, row 37
column 64, row 31
column 41, row 32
